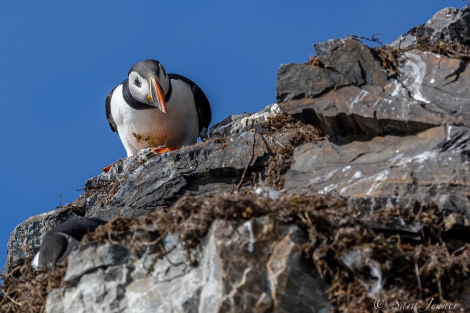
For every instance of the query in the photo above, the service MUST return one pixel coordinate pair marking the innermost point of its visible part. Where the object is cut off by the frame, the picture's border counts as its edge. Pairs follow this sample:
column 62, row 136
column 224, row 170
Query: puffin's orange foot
column 161, row 150
column 107, row 168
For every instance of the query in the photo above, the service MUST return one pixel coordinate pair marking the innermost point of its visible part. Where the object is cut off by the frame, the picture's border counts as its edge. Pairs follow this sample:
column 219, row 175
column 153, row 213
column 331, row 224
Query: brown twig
column 418, row 278
column 249, row 163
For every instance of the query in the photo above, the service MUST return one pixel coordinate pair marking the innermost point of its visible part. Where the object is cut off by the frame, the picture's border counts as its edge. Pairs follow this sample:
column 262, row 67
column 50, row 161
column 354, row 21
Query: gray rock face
column 354, row 95
column 26, row 238
column 205, row 168
column 256, row 266
column 395, row 138
column 431, row 166
column 447, row 25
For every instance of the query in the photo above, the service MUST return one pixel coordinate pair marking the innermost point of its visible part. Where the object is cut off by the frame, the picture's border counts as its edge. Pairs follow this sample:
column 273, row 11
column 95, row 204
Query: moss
column 282, row 154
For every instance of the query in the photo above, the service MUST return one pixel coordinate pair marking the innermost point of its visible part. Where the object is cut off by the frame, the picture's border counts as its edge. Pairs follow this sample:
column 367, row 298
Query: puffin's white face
column 139, row 87
column 150, row 88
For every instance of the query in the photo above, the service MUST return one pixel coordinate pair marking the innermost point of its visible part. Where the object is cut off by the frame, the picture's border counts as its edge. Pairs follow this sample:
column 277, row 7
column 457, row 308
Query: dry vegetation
column 281, row 156
column 413, row 271
column 28, row 289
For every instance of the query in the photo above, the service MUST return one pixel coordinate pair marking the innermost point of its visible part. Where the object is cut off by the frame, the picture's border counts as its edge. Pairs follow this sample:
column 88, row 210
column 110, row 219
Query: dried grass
column 416, row 272
column 27, row 290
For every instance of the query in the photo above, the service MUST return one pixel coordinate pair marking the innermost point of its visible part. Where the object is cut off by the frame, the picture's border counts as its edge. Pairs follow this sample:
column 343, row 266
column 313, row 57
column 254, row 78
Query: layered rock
column 397, row 119
column 349, row 93
column 429, row 167
column 448, row 25
column 254, row 266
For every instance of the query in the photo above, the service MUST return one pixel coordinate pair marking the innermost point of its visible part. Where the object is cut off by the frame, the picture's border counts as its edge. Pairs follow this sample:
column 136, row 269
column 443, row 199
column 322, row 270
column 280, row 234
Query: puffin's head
column 149, row 83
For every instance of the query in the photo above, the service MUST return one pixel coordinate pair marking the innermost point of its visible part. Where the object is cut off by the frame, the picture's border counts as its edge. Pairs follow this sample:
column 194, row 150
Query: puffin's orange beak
column 156, row 94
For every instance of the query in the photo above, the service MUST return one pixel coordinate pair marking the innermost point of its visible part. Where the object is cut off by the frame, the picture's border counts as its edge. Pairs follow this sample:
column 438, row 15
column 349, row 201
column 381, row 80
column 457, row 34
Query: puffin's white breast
column 139, row 129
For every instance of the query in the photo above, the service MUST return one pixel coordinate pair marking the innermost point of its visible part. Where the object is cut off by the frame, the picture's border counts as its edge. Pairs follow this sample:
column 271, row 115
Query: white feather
column 35, row 262
column 139, row 129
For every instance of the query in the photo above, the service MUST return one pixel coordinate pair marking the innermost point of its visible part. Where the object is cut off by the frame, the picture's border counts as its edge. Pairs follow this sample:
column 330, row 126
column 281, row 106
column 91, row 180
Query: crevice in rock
column 456, row 142
column 461, row 68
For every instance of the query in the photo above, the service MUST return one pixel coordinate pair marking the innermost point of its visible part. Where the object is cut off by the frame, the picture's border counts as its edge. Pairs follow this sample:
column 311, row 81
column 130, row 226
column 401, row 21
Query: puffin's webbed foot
column 161, row 150
column 107, row 168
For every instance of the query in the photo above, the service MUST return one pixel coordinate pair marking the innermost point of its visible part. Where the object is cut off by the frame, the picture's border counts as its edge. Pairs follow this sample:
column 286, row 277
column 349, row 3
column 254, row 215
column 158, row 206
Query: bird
column 62, row 239
column 153, row 108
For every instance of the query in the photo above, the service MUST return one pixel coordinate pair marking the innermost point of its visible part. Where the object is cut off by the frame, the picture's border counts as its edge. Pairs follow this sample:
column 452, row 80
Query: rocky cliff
column 349, row 194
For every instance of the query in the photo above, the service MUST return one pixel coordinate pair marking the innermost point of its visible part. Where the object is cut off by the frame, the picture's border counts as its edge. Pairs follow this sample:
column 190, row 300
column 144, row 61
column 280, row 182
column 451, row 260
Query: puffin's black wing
column 77, row 227
column 107, row 106
column 202, row 103
column 59, row 241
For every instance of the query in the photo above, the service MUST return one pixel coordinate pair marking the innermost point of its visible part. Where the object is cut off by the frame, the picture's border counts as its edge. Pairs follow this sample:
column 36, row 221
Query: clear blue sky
column 59, row 60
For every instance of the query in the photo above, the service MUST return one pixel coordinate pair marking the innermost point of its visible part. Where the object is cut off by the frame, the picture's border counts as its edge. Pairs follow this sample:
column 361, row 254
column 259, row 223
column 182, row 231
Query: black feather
column 107, row 106
column 77, row 227
column 202, row 103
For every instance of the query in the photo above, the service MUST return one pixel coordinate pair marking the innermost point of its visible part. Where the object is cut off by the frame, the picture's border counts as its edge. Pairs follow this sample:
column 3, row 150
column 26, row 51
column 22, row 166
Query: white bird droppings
column 251, row 242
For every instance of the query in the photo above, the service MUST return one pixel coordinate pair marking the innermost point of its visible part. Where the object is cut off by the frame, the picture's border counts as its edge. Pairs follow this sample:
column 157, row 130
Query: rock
column 95, row 257
column 447, row 25
column 362, row 101
column 26, row 238
column 429, row 167
column 256, row 266
column 426, row 99
column 104, row 284
column 335, row 55
column 236, row 124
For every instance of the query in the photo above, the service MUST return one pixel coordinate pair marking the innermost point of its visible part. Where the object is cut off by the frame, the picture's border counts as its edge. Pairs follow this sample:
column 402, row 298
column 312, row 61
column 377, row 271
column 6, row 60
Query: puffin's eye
column 137, row 82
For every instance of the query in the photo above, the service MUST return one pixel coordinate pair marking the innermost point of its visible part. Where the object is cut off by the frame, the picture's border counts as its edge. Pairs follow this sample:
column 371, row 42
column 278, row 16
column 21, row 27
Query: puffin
column 62, row 239
column 156, row 109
